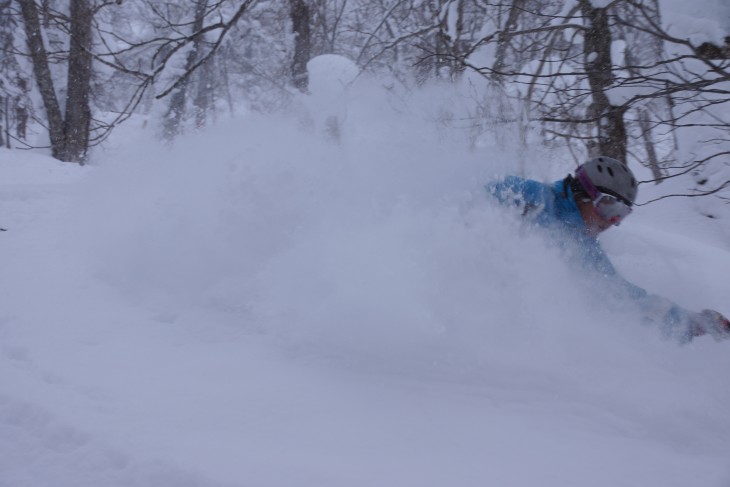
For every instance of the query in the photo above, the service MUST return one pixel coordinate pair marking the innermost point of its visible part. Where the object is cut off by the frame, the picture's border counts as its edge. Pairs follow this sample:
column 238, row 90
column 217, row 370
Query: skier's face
column 595, row 223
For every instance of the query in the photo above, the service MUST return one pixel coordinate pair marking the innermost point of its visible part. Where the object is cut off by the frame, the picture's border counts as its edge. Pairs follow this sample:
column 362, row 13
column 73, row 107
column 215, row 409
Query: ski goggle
column 609, row 207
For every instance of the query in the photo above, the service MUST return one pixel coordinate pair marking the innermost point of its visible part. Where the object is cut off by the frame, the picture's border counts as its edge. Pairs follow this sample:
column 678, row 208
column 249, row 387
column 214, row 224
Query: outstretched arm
column 675, row 321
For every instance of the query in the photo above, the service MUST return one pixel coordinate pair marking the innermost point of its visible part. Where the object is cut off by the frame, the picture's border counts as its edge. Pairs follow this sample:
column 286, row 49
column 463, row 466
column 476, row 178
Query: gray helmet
column 610, row 176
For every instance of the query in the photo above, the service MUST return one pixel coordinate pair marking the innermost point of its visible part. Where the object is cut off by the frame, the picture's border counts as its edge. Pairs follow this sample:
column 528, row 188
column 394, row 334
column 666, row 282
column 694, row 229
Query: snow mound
column 330, row 75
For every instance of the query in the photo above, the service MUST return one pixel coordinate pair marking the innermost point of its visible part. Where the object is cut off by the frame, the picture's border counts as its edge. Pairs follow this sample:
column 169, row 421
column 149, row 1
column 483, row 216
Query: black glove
column 710, row 322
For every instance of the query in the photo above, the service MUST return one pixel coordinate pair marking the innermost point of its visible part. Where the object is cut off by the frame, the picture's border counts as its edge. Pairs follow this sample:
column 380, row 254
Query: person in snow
column 575, row 210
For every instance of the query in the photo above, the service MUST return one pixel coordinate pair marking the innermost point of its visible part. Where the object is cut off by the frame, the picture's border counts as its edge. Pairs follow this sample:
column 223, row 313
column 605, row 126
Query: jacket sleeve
column 674, row 321
column 524, row 195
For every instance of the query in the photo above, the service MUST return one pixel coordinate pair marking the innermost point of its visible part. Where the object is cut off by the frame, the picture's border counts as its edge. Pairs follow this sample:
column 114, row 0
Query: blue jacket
column 553, row 207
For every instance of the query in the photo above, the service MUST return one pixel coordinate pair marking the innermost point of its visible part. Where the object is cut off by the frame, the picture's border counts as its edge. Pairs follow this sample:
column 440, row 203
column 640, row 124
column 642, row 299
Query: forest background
column 643, row 81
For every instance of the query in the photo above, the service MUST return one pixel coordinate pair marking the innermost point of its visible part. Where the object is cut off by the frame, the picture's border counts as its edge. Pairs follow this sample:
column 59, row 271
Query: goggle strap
column 587, row 183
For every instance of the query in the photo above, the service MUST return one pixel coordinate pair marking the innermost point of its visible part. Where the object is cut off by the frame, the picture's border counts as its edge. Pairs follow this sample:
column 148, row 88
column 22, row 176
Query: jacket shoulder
column 520, row 192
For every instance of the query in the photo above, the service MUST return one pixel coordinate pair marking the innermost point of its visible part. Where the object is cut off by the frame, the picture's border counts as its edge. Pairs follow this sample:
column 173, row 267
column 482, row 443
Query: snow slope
column 262, row 306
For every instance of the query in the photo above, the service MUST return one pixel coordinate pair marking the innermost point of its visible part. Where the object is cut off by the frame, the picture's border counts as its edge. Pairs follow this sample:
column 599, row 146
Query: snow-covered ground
column 262, row 305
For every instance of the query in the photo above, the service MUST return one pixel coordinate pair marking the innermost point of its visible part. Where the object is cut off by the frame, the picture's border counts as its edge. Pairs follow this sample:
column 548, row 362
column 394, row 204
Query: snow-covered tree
column 15, row 101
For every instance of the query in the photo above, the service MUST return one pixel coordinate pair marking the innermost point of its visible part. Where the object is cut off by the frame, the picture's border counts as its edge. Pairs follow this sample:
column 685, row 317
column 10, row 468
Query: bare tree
column 510, row 25
column 69, row 129
column 559, row 59
column 41, row 68
column 643, row 49
column 15, row 101
column 78, row 34
column 77, row 121
column 300, row 19
column 608, row 119
column 693, row 83
column 175, row 115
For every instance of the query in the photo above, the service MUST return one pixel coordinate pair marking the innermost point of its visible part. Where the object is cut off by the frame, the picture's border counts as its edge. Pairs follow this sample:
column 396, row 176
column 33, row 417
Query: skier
column 581, row 206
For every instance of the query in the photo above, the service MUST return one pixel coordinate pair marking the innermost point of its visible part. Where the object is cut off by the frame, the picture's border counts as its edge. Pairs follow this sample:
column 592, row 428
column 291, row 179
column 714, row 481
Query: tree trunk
column 643, row 49
column 78, row 113
column 4, row 130
column 611, row 138
column 70, row 137
column 500, row 57
column 175, row 115
column 651, row 155
column 39, row 58
column 448, row 40
column 203, row 98
column 202, row 101
column 300, row 18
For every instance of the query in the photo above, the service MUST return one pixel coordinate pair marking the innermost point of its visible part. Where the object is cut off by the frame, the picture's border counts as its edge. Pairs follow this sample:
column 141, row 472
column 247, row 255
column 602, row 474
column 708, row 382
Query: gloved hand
column 710, row 322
